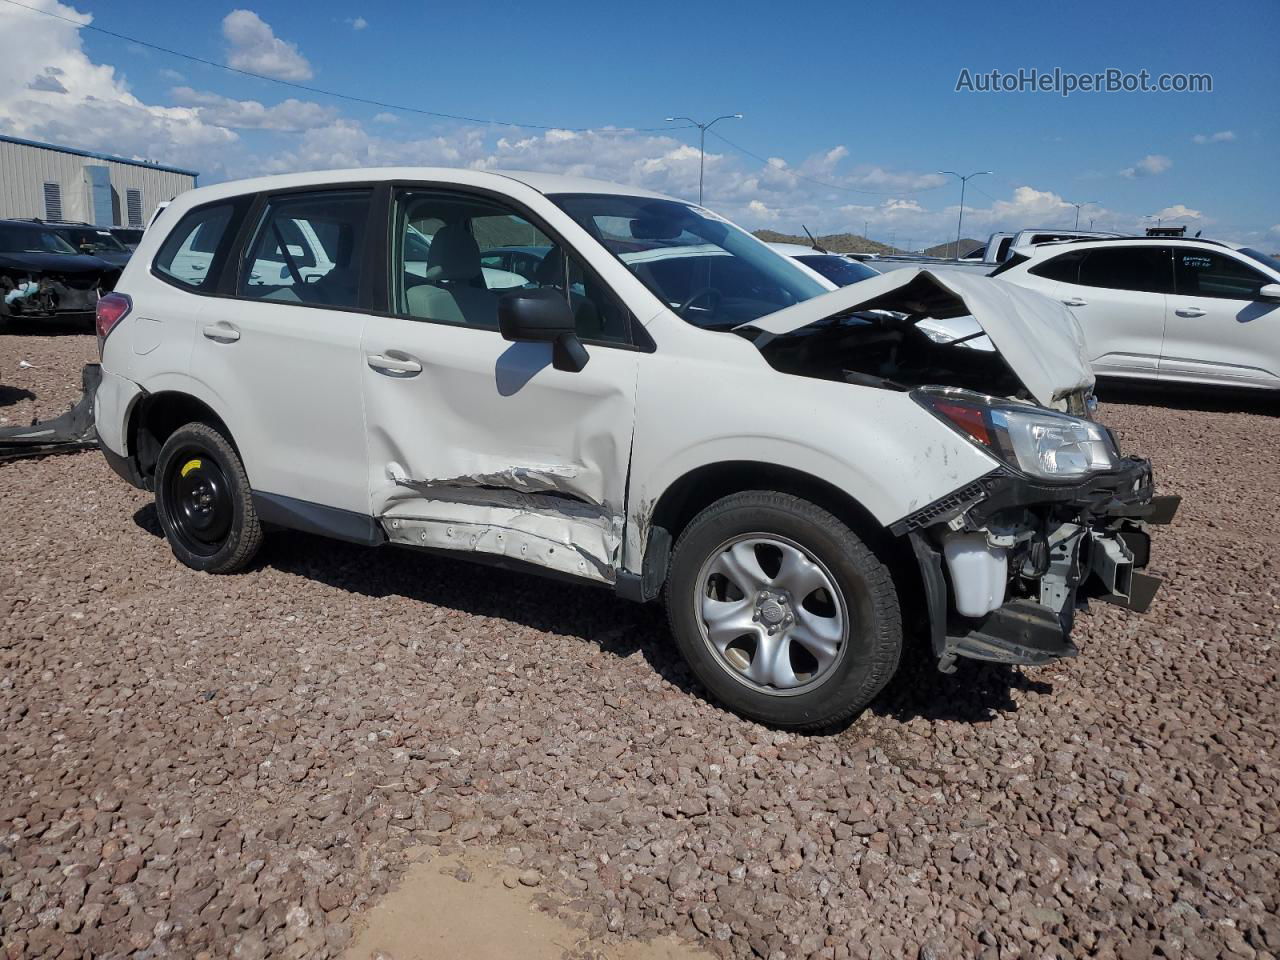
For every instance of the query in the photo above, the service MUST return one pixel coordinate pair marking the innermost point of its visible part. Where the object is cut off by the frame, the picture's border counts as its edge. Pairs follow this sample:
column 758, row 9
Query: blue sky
column 859, row 97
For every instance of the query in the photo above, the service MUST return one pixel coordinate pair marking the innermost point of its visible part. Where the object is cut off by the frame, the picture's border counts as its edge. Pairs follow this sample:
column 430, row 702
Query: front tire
column 204, row 501
column 782, row 612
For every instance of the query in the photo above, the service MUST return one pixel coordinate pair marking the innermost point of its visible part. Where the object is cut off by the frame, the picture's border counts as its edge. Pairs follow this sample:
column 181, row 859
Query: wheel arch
column 153, row 420
column 702, row 486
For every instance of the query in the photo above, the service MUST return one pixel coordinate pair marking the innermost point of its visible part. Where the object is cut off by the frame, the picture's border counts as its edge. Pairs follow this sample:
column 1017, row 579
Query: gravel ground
column 237, row 765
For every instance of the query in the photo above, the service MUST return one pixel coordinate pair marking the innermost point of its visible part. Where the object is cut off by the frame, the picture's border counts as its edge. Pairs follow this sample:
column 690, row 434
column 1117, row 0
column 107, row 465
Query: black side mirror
column 543, row 316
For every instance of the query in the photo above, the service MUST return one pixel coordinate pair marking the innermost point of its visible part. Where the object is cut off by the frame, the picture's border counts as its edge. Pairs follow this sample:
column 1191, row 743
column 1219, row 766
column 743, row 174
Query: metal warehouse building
column 62, row 183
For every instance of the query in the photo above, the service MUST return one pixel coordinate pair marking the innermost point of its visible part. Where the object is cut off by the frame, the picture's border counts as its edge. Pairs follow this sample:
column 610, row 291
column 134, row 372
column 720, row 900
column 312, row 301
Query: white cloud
column 1149, row 166
column 253, row 46
column 1178, row 212
column 385, row 118
column 1275, row 230
column 1222, row 136
column 291, row 114
column 96, row 111
column 356, row 23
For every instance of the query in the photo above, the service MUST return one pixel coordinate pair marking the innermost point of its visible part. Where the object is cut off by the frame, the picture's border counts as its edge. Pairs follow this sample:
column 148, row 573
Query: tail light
column 112, row 308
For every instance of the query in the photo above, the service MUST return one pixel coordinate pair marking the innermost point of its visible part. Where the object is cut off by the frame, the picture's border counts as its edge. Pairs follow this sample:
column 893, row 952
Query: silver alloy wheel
column 771, row 613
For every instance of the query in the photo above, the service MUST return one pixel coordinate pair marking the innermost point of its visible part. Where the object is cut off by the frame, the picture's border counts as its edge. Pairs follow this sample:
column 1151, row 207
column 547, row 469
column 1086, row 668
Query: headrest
column 454, row 254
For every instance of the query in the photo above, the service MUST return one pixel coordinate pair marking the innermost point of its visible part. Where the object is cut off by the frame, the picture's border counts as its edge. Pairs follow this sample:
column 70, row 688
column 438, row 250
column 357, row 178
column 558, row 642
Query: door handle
column 220, row 332
column 1075, row 302
column 401, row 365
column 1189, row 312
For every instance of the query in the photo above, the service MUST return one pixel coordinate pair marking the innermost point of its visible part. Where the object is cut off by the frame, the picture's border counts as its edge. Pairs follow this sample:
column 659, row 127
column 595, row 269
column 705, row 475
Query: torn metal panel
column 566, row 542
column 1038, row 337
column 73, row 430
column 491, row 439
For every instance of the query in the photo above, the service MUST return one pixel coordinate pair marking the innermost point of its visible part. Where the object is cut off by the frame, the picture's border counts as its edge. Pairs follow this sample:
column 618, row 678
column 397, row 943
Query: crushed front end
column 52, row 296
column 1008, row 559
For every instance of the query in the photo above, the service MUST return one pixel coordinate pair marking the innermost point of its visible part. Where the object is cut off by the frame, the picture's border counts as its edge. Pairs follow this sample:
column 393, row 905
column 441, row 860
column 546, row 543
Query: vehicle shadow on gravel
column 1178, row 397
column 975, row 693
column 11, row 395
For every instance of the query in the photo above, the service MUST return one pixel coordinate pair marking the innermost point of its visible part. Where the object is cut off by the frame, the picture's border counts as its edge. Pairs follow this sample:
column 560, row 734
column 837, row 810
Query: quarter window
column 309, row 248
column 187, row 254
column 455, row 256
column 1064, row 268
column 1202, row 273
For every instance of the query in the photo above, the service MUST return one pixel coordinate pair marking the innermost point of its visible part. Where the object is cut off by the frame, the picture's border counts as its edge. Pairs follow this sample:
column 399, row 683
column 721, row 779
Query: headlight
column 1042, row 443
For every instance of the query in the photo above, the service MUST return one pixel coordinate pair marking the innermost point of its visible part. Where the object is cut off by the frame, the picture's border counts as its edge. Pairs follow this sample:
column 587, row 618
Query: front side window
column 711, row 273
column 1142, row 269
column 309, row 248
column 1203, row 273
column 187, row 254
column 454, row 256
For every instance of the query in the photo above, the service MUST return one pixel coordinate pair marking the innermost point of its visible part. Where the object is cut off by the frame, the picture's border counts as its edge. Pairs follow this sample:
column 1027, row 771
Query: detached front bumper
column 1006, row 561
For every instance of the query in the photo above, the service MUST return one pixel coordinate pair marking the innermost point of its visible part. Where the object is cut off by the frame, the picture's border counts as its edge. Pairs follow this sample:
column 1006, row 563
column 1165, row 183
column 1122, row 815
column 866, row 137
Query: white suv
column 1188, row 311
column 661, row 403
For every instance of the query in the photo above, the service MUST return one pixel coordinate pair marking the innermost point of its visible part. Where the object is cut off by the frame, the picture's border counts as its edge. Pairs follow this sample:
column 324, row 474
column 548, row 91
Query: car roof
column 545, row 183
column 1041, row 250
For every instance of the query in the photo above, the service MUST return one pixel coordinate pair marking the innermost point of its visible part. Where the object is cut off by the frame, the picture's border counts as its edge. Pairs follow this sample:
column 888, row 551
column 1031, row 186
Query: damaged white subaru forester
column 602, row 383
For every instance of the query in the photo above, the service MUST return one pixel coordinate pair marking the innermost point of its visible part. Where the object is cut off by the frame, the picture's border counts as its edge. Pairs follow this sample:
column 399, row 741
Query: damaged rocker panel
column 527, row 514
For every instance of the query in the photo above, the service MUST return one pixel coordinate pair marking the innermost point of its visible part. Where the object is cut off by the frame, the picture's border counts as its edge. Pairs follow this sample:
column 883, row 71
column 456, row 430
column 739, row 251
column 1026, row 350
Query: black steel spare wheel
column 204, row 501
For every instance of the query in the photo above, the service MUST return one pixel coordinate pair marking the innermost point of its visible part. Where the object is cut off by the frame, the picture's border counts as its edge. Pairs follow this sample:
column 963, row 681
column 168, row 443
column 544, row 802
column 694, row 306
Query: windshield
column 15, row 239
column 839, row 270
column 97, row 239
column 710, row 272
column 1261, row 257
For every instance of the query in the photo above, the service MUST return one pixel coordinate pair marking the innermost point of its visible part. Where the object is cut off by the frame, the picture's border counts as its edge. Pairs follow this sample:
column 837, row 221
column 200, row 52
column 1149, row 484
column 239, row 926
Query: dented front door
column 480, row 445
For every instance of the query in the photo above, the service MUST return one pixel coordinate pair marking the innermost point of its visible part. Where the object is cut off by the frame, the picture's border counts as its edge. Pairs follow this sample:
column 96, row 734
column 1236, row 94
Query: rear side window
column 1142, row 269
column 309, row 248
column 1204, row 274
column 187, row 255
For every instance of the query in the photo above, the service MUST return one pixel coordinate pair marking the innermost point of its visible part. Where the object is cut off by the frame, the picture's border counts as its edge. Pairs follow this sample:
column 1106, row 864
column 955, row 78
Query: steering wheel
column 713, row 300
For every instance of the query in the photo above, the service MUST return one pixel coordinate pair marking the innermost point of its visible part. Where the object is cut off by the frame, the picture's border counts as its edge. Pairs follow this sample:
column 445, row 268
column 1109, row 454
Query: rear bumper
column 1067, row 544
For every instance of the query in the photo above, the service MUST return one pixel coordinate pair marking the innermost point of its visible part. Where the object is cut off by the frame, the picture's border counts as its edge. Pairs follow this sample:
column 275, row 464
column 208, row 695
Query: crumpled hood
column 1038, row 337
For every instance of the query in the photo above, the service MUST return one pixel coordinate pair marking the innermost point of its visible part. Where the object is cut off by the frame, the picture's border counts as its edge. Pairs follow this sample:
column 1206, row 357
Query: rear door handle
column 1189, row 312
column 220, row 332
column 1075, row 302
column 394, row 362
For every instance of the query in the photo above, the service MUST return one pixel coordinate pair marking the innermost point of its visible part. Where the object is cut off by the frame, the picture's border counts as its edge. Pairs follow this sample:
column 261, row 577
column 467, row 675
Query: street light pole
column 702, row 141
column 1084, row 203
column 963, row 181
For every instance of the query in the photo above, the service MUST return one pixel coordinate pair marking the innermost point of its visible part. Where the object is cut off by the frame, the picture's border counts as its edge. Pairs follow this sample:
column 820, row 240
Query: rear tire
column 782, row 611
column 204, row 501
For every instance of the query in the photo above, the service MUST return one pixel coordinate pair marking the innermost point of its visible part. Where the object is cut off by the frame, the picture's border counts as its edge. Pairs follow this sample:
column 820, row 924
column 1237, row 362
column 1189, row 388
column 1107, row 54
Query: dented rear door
column 488, row 448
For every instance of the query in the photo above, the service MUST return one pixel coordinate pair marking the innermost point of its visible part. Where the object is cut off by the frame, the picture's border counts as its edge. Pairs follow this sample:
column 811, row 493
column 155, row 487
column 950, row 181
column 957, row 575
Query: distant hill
column 967, row 246
column 835, row 242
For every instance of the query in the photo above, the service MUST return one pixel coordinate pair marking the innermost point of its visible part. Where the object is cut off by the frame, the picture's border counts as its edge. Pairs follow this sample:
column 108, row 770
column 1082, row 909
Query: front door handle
column 1189, row 312
column 220, row 332
column 394, row 362
column 1075, row 302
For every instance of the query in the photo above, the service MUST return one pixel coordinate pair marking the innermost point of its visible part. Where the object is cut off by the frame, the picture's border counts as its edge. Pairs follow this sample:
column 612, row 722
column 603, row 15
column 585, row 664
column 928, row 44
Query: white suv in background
column 650, row 400
column 1188, row 311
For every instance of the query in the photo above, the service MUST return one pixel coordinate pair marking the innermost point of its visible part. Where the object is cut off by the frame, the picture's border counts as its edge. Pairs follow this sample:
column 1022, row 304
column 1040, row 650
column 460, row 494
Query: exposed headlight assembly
column 1041, row 443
